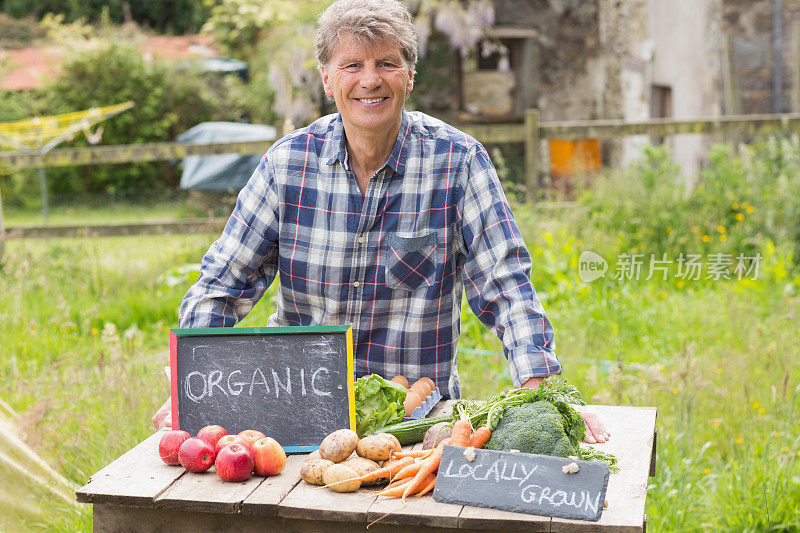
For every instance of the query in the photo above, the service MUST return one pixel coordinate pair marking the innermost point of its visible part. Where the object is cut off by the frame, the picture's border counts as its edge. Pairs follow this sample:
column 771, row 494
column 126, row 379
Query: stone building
column 633, row 60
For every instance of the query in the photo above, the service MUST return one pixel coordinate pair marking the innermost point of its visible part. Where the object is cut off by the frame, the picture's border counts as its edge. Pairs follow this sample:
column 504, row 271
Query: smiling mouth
column 372, row 100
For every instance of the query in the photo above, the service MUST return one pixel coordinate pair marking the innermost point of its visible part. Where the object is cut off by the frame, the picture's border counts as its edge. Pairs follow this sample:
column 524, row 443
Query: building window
column 660, row 106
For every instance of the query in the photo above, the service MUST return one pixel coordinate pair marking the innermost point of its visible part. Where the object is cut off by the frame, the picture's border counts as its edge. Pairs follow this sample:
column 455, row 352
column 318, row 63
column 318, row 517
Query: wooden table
column 138, row 492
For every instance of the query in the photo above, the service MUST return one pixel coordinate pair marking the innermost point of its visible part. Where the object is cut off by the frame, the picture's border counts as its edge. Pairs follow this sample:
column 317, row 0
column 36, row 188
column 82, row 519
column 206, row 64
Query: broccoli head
column 537, row 427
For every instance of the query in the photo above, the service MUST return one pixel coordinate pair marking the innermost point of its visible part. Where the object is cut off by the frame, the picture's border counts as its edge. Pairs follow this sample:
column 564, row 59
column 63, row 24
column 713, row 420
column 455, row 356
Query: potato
column 362, row 466
column 341, row 478
column 313, row 471
column 397, row 446
column 375, row 447
column 338, row 445
column 314, row 455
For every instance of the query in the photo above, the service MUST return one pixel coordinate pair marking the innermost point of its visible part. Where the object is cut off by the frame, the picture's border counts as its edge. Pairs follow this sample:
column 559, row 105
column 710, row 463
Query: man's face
column 368, row 83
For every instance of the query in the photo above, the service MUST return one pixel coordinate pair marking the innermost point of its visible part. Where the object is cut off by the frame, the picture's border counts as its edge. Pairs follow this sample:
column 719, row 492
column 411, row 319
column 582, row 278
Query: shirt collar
column 336, row 148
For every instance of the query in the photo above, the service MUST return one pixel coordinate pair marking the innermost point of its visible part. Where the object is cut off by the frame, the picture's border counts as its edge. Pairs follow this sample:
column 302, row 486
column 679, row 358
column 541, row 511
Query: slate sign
column 294, row 384
column 523, row 483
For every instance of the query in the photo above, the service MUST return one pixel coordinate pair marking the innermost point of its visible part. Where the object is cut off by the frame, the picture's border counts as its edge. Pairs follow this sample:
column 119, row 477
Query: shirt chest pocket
column 410, row 261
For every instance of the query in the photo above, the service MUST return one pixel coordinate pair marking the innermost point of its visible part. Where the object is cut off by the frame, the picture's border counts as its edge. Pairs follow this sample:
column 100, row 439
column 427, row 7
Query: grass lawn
column 84, row 327
column 66, row 215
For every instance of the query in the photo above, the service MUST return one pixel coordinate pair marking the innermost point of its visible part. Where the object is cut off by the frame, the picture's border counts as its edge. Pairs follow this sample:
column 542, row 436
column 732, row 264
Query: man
column 379, row 218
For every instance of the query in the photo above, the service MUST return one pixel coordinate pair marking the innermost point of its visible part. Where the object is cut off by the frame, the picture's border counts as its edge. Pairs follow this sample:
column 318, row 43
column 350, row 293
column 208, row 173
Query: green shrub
column 169, row 99
column 741, row 202
column 17, row 33
column 177, row 16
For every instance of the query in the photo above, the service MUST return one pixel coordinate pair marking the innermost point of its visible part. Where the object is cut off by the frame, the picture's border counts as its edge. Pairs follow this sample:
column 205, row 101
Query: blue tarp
column 221, row 173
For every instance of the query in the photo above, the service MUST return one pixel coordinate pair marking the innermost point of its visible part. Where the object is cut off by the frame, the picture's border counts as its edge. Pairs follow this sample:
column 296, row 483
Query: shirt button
column 356, row 284
column 361, row 239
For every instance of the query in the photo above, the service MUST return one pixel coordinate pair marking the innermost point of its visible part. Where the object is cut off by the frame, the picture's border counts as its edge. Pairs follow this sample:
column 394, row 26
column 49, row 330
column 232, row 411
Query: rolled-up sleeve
column 496, row 274
column 240, row 265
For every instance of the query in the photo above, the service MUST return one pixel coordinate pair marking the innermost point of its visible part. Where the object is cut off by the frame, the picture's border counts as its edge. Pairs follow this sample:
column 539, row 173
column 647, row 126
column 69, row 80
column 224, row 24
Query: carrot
column 461, row 432
column 394, row 484
column 387, row 471
column 417, row 454
column 427, row 485
column 480, row 437
column 409, row 471
column 459, row 437
column 396, row 491
column 428, row 467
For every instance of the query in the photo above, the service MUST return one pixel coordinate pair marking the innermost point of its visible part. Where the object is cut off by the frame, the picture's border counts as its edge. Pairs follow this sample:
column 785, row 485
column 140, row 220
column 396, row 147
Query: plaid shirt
column 393, row 262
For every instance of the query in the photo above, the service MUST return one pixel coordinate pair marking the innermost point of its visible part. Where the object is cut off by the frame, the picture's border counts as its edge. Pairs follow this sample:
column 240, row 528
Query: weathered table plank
column 123, row 519
column 191, row 493
column 422, row 511
column 136, row 478
column 310, row 502
column 265, row 499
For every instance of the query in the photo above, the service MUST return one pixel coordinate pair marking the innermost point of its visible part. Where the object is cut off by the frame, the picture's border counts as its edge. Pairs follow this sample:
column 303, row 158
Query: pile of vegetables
column 381, row 402
column 556, row 391
column 525, row 419
column 344, row 462
column 537, row 421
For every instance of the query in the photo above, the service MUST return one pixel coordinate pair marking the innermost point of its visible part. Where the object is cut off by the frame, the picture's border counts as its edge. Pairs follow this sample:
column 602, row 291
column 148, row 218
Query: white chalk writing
column 199, row 385
column 539, row 495
column 502, row 470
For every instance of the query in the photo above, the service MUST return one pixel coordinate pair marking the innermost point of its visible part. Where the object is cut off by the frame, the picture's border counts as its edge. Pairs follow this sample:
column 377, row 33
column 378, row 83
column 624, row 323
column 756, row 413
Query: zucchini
column 413, row 431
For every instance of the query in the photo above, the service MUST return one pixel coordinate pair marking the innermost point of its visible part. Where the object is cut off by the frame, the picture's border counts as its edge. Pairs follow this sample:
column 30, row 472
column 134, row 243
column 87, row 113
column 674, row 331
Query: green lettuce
column 379, row 403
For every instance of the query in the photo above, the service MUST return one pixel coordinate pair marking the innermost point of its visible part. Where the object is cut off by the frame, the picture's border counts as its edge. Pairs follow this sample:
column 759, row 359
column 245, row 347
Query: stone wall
column 750, row 25
column 568, row 74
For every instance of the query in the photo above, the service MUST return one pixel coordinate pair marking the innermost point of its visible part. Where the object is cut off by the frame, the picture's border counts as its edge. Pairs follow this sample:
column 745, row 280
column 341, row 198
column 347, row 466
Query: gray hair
column 372, row 21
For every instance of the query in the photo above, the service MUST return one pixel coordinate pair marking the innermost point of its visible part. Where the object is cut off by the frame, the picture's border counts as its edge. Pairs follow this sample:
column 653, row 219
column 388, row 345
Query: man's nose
column 371, row 78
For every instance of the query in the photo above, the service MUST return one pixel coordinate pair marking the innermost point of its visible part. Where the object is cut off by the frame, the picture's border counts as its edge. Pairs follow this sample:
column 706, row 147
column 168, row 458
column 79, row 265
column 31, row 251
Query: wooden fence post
column 794, row 58
column 2, row 229
column 732, row 95
column 531, row 154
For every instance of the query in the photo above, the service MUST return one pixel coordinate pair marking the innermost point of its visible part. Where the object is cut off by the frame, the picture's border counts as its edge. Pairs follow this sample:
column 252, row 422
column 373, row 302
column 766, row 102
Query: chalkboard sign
column 295, row 384
column 523, row 483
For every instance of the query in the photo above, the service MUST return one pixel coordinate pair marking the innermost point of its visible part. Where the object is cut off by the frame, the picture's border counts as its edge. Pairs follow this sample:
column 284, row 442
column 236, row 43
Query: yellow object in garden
column 43, row 133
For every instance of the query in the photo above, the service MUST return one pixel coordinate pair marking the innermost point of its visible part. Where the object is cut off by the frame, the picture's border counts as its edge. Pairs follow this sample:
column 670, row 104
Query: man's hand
column 596, row 430
column 163, row 417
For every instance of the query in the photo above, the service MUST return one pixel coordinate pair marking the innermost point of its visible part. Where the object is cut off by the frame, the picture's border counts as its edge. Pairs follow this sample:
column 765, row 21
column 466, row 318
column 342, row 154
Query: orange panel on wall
column 570, row 157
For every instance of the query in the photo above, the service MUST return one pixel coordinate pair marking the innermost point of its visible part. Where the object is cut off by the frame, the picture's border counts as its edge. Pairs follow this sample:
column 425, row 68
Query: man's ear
column 410, row 84
column 325, row 80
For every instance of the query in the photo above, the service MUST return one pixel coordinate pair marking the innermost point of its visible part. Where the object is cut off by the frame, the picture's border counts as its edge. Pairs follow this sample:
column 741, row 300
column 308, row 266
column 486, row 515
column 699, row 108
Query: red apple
column 211, row 434
column 196, row 455
column 251, row 435
column 234, row 463
column 231, row 439
column 268, row 457
column 170, row 444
